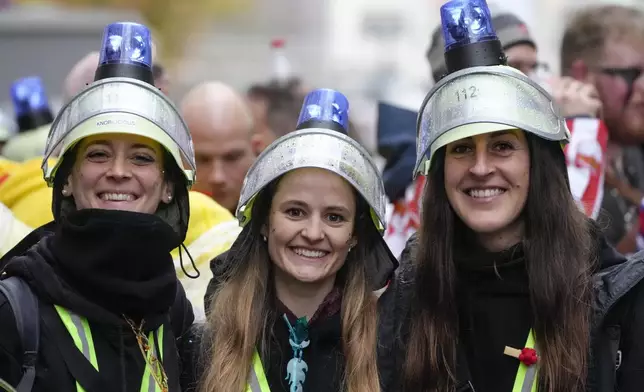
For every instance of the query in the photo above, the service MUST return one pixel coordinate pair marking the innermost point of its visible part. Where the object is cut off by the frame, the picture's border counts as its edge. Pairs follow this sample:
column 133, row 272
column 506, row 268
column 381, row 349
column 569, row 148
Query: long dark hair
column 243, row 279
column 560, row 256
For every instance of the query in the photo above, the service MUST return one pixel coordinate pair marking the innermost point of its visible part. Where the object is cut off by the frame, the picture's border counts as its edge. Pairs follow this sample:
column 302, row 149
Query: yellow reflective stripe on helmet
column 149, row 383
column 526, row 380
column 257, row 381
column 78, row 328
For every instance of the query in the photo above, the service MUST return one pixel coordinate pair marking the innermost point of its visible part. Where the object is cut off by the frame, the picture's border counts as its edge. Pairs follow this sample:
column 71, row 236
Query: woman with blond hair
column 292, row 304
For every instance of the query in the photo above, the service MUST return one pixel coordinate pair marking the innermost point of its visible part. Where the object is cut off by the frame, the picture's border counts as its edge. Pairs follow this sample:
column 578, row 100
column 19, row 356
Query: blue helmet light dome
column 470, row 39
column 465, row 22
column 30, row 103
column 126, row 51
column 325, row 108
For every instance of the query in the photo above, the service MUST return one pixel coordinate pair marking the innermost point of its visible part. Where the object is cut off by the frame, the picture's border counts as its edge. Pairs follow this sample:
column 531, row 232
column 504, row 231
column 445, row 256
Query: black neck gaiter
column 118, row 260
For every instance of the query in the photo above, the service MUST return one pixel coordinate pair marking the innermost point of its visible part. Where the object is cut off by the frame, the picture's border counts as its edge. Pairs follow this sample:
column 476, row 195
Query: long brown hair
column 559, row 252
column 234, row 332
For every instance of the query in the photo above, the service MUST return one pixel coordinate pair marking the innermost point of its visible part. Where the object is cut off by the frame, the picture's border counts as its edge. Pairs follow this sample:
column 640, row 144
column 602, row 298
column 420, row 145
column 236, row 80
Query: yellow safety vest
column 78, row 328
column 257, row 381
column 526, row 380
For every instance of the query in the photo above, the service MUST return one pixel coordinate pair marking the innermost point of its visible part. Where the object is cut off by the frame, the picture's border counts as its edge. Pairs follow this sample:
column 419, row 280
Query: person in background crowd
column 109, row 305
column 211, row 231
column 81, row 74
column 26, row 194
column 161, row 78
column 604, row 45
column 508, row 285
column 584, row 155
column 305, row 268
column 275, row 109
column 221, row 125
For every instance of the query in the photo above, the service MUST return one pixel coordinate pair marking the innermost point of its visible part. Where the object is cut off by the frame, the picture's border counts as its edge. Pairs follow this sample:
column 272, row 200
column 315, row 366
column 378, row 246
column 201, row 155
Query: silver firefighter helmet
column 480, row 100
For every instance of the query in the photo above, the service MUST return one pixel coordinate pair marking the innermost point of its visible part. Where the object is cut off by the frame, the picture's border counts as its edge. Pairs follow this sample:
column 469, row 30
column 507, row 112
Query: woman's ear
column 166, row 192
column 353, row 241
column 67, row 188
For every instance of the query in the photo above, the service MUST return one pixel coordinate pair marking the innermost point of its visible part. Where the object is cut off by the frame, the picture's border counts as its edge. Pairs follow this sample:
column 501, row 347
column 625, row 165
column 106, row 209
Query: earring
column 169, row 198
column 65, row 192
column 264, row 237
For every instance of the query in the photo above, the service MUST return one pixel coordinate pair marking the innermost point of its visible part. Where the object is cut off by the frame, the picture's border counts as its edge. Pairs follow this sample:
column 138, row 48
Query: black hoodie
column 104, row 266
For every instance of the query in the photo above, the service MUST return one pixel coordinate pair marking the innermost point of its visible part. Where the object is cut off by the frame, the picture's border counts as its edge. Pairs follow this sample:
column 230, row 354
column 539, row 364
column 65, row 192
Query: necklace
column 299, row 340
column 149, row 355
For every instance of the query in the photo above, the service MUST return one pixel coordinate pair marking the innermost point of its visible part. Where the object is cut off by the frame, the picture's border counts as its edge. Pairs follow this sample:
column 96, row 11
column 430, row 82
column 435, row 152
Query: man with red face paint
column 604, row 45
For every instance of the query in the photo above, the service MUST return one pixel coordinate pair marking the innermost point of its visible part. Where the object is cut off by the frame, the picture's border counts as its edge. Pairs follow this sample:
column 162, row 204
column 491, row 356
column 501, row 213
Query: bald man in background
column 82, row 73
column 221, row 125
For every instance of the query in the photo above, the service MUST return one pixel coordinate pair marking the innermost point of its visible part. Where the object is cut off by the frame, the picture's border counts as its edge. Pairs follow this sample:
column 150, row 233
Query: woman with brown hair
column 292, row 304
column 508, row 286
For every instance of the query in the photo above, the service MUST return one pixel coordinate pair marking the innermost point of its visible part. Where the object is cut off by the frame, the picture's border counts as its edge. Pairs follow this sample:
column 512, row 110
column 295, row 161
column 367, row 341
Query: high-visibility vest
column 526, row 379
column 78, row 328
column 257, row 381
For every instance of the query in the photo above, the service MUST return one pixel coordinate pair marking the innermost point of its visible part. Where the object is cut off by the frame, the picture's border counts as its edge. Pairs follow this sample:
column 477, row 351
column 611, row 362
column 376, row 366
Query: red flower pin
column 526, row 355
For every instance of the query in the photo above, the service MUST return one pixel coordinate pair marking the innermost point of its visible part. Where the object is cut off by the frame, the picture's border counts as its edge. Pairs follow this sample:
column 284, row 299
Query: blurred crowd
column 233, row 134
column 600, row 92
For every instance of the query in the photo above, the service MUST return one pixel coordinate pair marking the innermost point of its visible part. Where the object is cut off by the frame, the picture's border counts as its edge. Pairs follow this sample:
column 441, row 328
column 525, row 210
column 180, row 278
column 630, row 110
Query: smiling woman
column 118, row 172
column 304, row 269
column 486, row 182
column 103, row 274
column 508, row 286
column 311, row 227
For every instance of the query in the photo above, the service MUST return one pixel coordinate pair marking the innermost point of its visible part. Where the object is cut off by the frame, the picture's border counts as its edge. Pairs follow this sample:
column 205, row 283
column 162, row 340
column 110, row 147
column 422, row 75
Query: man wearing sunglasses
column 604, row 46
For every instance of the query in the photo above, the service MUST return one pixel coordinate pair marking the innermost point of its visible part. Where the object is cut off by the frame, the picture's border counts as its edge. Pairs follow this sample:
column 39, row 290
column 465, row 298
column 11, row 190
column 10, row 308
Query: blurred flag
column 586, row 160
column 397, row 144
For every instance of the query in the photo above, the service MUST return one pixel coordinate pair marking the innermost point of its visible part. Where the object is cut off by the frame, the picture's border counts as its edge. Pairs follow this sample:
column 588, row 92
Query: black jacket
column 617, row 320
column 121, row 363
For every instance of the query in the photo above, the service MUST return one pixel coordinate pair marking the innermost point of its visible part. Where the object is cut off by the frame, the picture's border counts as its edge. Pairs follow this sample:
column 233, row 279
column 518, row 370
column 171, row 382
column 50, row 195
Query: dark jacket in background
column 618, row 213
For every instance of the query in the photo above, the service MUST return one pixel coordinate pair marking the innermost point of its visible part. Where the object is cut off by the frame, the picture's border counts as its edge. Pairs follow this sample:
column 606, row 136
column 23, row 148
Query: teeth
column 481, row 193
column 316, row 254
column 117, row 197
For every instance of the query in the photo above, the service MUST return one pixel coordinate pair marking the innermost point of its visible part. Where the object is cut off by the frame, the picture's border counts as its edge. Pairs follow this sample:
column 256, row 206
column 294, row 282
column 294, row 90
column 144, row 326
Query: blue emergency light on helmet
column 470, row 39
column 30, row 103
column 126, row 51
column 325, row 108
